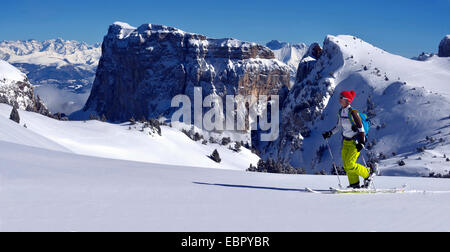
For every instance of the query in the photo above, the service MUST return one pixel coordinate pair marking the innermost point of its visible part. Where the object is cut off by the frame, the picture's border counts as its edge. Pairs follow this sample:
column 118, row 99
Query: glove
column 355, row 128
column 360, row 144
column 359, row 147
column 327, row 134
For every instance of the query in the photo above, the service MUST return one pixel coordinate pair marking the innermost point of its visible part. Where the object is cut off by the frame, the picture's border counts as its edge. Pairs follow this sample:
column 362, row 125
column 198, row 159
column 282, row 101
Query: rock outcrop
column 444, row 47
column 142, row 69
column 17, row 91
column 308, row 62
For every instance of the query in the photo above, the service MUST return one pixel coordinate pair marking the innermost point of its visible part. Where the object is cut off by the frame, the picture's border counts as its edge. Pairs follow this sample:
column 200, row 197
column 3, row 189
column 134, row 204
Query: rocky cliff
column 142, row 69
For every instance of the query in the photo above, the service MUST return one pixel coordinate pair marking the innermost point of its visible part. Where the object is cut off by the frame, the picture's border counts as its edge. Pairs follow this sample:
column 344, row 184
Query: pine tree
column 15, row 115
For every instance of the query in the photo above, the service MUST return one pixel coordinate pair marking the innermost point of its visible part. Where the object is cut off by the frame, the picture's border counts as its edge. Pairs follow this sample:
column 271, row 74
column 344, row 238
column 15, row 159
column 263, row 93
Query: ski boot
column 367, row 182
column 354, row 186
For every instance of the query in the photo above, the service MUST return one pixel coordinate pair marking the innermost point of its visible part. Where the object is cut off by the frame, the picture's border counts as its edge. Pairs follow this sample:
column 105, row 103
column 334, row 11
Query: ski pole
column 364, row 160
column 334, row 164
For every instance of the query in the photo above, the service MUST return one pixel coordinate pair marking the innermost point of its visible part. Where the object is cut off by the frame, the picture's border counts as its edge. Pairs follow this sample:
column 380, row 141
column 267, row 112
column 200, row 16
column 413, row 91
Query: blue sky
column 405, row 27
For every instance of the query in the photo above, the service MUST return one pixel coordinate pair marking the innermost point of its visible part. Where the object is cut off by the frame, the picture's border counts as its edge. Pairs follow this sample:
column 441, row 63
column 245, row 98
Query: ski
column 401, row 189
column 333, row 190
column 311, row 190
column 318, row 191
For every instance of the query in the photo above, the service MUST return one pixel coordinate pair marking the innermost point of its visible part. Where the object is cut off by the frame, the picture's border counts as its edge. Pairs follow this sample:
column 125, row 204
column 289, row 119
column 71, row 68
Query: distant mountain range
column 62, row 71
column 17, row 91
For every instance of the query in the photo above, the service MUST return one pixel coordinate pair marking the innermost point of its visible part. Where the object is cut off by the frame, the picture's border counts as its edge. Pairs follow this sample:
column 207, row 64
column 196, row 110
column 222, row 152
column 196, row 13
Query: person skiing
column 354, row 141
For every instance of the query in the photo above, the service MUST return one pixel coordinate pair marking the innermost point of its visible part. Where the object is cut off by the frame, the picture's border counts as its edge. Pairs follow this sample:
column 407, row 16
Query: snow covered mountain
column 408, row 102
column 290, row 54
column 142, row 69
column 16, row 90
column 63, row 71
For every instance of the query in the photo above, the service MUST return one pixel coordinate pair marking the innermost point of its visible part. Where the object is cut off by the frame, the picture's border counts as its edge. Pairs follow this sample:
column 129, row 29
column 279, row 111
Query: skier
column 354, row 141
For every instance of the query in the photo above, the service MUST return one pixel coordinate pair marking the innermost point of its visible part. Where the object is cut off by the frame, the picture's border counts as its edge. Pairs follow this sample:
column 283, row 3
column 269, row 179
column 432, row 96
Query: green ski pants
column 349, row 156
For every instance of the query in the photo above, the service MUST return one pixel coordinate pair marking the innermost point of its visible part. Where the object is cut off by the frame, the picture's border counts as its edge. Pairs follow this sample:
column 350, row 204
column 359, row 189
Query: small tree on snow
column 15, row 115
column 226, row 140
column 215, row 156
column 237, row 147
column 94, row 117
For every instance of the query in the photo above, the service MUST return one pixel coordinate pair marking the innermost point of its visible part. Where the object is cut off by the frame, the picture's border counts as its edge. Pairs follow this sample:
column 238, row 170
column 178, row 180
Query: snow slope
column 408, row 102
column 54, row 191
column 9, row 74
column 95, row 138
column 12, row 132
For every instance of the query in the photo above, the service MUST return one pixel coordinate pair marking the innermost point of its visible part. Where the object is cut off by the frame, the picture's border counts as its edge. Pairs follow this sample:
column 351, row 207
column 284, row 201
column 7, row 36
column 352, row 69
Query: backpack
column 364, row 119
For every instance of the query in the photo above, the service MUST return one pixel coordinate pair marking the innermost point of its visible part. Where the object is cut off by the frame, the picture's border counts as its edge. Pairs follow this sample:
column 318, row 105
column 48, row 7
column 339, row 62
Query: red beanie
column 350, row 95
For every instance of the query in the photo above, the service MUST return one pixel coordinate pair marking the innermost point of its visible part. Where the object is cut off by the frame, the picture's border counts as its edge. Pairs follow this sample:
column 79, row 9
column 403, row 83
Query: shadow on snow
column 255, row 187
